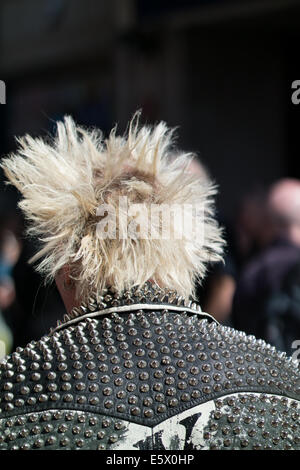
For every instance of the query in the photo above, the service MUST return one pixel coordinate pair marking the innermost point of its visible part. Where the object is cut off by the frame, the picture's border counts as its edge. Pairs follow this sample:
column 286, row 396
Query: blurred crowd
column 28, row 308
column 256, row 289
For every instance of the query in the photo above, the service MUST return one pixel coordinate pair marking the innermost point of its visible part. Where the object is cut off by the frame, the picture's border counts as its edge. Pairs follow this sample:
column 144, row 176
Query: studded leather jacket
column 147, row 370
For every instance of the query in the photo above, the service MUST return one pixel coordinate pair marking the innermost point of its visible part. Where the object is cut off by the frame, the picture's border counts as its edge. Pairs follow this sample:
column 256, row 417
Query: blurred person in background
column 258, row 302
column 215, row 292
column 135, row 363
column 9, row 253
column 245, row 239
column 37, row 305
column 283, row 313
column 28, row 306
column 253, row 230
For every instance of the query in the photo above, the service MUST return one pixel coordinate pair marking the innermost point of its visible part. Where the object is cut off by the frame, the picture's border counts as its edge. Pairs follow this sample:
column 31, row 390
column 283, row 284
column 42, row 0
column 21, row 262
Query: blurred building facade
column 218, row 69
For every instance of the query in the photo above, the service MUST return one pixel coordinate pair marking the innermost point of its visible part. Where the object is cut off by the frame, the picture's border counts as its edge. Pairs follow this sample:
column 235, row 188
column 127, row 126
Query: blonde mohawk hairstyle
column 64, row 182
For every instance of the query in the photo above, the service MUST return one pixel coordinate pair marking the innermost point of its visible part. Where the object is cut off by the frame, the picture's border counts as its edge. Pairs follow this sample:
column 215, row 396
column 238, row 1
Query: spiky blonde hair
column 63, row 182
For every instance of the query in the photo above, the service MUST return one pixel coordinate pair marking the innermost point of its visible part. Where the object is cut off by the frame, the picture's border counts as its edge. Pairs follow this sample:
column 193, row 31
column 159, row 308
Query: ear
column 66, row 287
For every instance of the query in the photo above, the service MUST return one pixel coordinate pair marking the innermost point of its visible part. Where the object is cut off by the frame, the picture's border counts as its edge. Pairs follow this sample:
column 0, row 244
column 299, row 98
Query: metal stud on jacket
column 147, row 370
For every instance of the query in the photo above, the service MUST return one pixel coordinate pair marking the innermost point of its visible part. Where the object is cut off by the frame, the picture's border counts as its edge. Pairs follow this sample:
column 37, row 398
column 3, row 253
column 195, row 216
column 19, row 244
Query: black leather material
column 138, row 369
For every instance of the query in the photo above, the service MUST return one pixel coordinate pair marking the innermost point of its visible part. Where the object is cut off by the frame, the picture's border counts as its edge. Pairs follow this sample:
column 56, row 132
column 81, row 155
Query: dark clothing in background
column 37, row 306
column 260, row 283
column 229, row 267
column 283, row 313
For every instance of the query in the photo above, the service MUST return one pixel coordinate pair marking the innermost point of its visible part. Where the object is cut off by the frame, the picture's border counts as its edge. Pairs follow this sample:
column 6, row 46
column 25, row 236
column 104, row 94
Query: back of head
column 90, row 201
column 284, row 202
